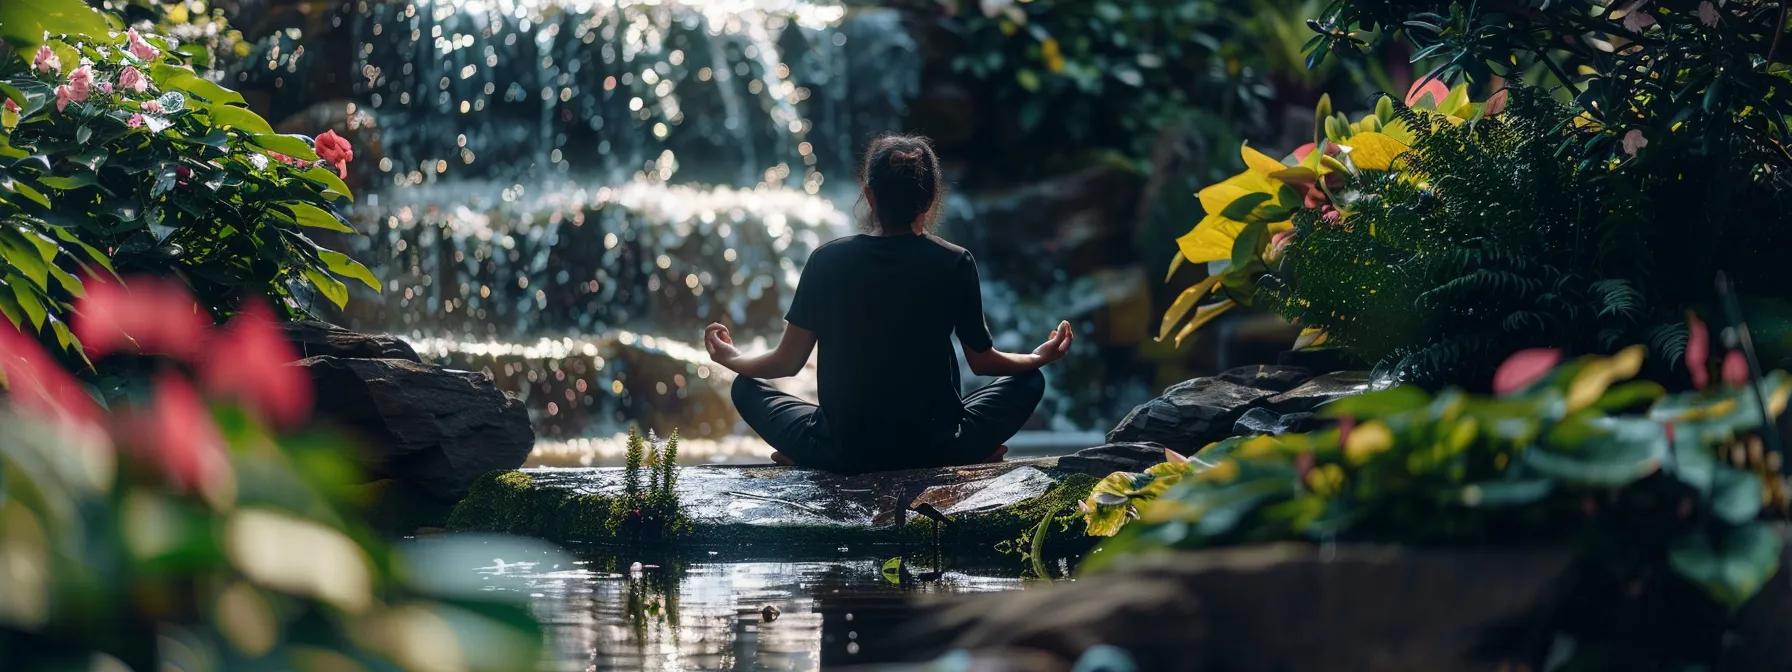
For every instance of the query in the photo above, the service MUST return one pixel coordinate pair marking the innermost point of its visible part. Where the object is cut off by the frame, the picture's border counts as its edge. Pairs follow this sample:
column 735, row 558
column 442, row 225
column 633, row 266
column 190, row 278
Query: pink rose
column 152, row 106
column 132, row 79
column 63, row 96
column 336, row 150
column 136, row 121
column 142, row 50
column 104, row 87
column 46, row 60
column 80, row 83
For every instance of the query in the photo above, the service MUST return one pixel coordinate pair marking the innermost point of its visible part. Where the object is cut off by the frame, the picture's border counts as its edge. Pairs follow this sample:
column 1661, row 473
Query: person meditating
column 883, row 307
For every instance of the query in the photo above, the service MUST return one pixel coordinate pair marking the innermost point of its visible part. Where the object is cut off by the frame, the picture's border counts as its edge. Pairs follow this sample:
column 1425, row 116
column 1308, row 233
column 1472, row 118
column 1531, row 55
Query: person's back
column 883, row 309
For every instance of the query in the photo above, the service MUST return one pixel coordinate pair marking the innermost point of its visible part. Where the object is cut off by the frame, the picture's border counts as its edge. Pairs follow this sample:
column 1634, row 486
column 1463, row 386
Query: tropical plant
column 190, row 524
column 1107, row 74
column 1561, row 455
column 649, row 508
column 117, row 157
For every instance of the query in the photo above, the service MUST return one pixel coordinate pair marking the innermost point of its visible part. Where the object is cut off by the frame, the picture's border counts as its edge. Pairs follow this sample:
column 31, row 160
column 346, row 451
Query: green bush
column 117, row 157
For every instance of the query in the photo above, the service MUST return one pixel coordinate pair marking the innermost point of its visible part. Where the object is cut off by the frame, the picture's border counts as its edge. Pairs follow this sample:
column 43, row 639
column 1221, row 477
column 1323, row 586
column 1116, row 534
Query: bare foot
column 995, row 457
column 781, row 459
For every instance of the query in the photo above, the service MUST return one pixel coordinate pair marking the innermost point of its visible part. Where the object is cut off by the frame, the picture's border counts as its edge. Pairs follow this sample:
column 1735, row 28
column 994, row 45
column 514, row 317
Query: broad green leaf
column 1598, row 451
column 342, row 265
column 305, row 214
column 34, row 308
column 242, row 119
column 331, row 288
column 183, row 79
column 291, row 145
column 1730, row 565
column 1378, row 403
column 24, row 22
column 332, row 182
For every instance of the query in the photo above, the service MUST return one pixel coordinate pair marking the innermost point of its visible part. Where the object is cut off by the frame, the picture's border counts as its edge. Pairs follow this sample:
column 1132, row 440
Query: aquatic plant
column 191, row 522
column 1578, row 451
column 649, row 509
column 120, row 158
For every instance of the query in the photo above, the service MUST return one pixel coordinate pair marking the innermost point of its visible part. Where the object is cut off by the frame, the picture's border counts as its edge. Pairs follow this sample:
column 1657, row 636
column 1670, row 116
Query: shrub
column 117, row 157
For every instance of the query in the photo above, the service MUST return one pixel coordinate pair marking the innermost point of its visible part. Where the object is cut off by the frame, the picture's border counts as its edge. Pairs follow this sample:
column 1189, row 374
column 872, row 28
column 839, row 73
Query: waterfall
column 571, row 189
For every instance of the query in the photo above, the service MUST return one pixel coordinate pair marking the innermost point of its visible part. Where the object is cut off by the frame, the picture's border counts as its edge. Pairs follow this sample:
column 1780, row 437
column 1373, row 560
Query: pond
column 605, row 613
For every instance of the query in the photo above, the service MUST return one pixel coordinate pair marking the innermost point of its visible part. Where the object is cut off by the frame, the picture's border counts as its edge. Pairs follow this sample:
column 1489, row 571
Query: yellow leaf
column 1210, row 240
column 1599, row 373
column 1203, row 315
column 1215, row 198
column 1310, row 337
column 1375, row 151
column 1258, row 162
column 1185, row 301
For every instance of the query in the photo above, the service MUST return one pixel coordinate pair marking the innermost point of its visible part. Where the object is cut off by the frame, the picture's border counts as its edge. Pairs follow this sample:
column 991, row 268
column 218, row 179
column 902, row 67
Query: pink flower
column 132, row 79
column 46, row 60
column 104, row 87
column 1634, row 141
column 1496, row 103
column 37, row 384
column 63, row 96
column 1708, row 14
column 1278, row 244
column 80, row 83
column 1430, row 86
column 142, row 50
column 184, row 439
column 148, row 315
column 249, row 361
column 136, row 121
column 1735, row 369
column 152, row 107
column 11, row 106
column 335, row 149
column 1524, row 368
column 1698, row 351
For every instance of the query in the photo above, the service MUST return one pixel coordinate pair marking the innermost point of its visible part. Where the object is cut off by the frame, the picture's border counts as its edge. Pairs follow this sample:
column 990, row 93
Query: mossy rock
column 784, row 511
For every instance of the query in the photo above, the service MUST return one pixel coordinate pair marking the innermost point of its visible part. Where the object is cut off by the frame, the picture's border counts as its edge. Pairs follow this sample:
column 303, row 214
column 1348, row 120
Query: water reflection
column 604, row 614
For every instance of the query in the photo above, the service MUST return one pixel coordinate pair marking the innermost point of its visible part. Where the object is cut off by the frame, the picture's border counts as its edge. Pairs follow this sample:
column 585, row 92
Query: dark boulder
column 1311, row 394
column 432, row 428
column 1267, row 376
column 1109, row 458
column 1189, row 415
column 1264, row 421
column 312, row 338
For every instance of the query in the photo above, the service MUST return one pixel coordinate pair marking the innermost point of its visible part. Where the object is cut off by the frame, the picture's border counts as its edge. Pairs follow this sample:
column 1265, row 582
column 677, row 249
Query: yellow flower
column 1367, row 440
column 1052, row 55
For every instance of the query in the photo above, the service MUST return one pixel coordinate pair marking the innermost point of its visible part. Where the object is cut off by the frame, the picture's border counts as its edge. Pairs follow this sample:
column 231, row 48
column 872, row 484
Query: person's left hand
column 720, row 344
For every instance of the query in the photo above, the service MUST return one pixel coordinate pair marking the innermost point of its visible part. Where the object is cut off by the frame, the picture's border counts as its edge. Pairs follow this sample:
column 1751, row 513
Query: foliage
column 1693, row 77
column 1557, row 458
column 116, row 156
column 1437, row 239
column 1107, row 74
column 649, row 510
column 184, row 528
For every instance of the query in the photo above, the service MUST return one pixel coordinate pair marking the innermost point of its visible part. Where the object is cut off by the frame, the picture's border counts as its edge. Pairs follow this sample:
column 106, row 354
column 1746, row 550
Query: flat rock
column 1270, row 377
column 433, row 428
column 1189, row 414
column 772, row 506
column 1311, row 394
column 1109, row 458
column 312, row 338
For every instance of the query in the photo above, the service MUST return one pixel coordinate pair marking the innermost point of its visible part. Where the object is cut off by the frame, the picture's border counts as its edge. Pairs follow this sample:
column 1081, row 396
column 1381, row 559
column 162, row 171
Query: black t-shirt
column 884, row 309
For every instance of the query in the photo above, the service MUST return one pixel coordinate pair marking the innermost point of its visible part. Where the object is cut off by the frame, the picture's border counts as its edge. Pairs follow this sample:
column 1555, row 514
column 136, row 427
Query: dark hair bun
column 902, row 175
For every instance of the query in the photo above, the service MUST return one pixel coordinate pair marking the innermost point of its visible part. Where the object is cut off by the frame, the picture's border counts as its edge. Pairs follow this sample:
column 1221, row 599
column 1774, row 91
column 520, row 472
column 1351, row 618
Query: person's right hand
column 1056, row 345
column 720, row 345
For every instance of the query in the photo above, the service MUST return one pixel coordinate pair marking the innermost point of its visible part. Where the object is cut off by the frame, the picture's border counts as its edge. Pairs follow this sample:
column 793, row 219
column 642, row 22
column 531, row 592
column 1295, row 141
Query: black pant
column 799, row 429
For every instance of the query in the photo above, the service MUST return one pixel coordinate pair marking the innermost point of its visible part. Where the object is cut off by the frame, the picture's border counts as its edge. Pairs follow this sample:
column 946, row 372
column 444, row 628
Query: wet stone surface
column 1189, row 415
column 1309, row 395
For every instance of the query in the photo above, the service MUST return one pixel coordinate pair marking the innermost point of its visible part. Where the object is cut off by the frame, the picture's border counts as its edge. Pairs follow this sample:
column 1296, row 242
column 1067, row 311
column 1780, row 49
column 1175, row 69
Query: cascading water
column 571, row 190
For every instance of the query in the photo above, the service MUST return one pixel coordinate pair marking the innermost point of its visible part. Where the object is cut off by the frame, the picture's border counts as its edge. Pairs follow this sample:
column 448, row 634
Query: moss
column 511, row 502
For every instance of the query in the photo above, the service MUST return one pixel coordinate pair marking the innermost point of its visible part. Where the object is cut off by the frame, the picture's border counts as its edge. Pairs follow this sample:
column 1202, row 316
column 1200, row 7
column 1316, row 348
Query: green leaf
column 892, row 570
column 1378, row 403
column 1730, row 566
column 182, row 78
column 24, row 22
column 294, row 146
column 333, row 184
column 305, row 214
column 342, row 265
column 242, row 119
column 1600, row 451
column 331, row 288
column 34, row 308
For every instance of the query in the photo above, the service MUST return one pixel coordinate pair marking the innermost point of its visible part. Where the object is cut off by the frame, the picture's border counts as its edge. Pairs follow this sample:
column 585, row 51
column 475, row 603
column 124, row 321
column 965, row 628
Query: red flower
column 37, row 384
column 249, row 361
column 1523, row 368
column 183, row 438
column 335, row 149
column 1698, row 351
column 150, row 315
